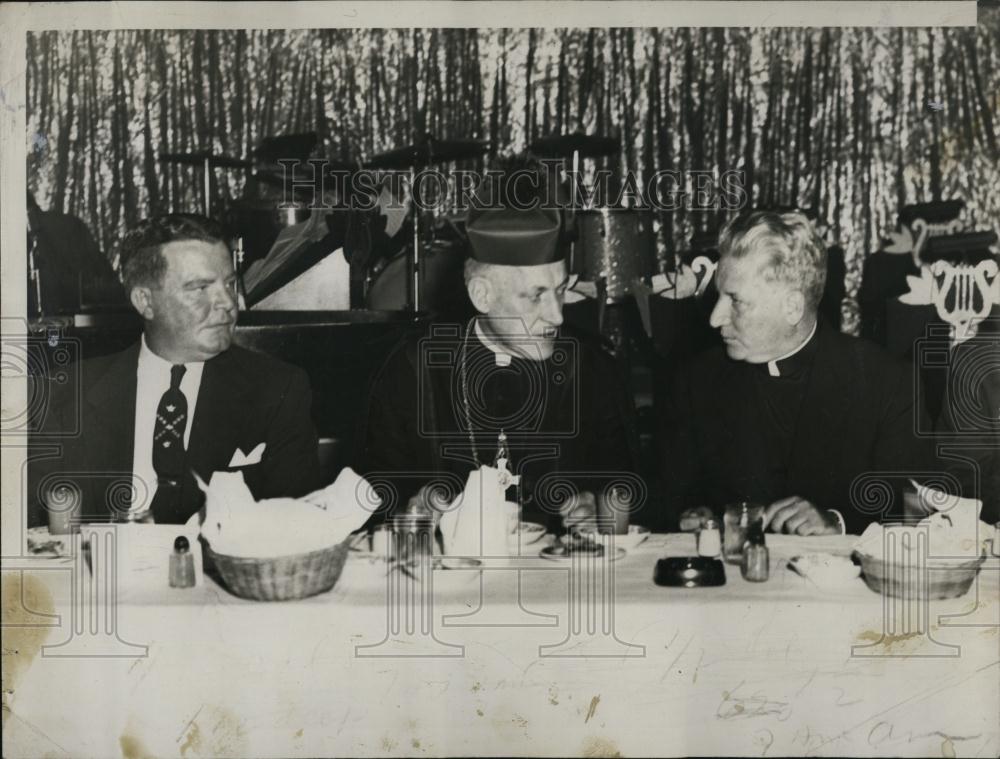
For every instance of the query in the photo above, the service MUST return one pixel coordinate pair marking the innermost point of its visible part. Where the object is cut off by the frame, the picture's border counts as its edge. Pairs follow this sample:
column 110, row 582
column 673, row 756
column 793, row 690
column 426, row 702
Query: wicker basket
column 282, row 578
column 945, row 579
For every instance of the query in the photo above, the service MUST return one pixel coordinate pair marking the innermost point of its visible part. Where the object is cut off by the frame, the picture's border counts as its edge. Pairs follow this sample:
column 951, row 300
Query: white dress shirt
column 152, row 380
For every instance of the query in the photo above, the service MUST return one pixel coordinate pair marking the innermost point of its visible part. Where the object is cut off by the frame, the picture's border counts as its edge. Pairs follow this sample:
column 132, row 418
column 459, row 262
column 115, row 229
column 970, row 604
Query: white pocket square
column 247, row 459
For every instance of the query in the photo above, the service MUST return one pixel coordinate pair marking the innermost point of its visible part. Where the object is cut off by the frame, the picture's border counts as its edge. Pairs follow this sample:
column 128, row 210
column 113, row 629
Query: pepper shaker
column 413, row 534
column 182, row 564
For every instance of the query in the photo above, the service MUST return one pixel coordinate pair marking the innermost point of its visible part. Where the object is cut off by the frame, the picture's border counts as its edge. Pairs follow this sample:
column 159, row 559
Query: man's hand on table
column 579, row 509
column 797, row 516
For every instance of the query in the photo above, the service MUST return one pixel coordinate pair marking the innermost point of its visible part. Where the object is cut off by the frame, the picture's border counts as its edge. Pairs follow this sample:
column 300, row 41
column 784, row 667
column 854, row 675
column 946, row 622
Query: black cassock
column 836, row 427
column 568, row 420
column 969, row 428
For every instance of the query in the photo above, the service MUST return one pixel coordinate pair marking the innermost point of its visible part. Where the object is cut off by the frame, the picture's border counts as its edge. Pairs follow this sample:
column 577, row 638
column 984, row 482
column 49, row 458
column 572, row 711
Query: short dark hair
column 142, row 262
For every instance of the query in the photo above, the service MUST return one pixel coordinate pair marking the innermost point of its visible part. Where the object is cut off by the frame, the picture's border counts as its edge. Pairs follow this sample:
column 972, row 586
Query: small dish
column 635, row 536
column 578, row 547
column 456, row 562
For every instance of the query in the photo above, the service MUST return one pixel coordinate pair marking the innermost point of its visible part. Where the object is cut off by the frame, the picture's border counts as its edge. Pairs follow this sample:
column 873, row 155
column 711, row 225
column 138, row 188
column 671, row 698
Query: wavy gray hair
column 796, row 254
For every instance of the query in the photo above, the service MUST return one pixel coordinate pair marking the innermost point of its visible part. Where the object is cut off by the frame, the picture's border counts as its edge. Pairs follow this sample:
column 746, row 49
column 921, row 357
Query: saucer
column 560, row 552
column 633, row 539
column 456, row 562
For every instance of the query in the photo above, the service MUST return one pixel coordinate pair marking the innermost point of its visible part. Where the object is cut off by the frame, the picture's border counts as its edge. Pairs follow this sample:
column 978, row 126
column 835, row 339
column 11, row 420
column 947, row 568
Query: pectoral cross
column 505, row 478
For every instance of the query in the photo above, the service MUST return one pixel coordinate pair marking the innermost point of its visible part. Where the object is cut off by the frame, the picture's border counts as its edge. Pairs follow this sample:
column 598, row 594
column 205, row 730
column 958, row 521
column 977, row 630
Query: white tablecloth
column 765, row 669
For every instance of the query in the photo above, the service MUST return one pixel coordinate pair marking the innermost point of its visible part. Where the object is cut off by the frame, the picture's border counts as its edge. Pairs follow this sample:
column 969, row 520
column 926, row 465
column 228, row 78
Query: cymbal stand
column 34, row 274
column 415, row 261
column 241, row 290
column 208, row 187
column 572, row 208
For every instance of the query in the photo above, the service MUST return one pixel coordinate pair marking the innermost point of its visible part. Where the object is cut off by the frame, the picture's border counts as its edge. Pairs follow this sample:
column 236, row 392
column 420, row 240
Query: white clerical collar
column 502, row 357
column 772, row 365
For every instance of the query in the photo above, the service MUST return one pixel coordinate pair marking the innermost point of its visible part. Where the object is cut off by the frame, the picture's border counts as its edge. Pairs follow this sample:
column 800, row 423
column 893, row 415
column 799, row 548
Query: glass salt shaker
column 413, row 533
column 709, row 539
column 756, row 563
column 182, row 564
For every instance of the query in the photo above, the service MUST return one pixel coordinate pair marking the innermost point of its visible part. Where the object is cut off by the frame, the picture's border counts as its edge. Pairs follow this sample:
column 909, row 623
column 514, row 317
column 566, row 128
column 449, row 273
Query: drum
column 442, row 284
column 258, row 222
column 617, row 244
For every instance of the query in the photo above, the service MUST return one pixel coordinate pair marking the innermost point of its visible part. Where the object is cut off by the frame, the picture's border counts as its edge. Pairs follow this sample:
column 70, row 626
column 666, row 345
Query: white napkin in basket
column 953, row 526
column 238, row 525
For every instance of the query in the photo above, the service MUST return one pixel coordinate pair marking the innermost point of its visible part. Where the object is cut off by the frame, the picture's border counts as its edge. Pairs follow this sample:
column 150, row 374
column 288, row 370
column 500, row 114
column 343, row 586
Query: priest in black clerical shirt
column 815, row 425
column 442, row 400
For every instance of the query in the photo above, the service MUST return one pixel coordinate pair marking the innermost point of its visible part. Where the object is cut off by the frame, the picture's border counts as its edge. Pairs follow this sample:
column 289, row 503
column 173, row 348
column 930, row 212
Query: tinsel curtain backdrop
column 853, row 122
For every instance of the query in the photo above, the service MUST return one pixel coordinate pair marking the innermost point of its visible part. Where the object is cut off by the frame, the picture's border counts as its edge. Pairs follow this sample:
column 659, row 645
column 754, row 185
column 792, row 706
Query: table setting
column 369, row 637
column 288, row 549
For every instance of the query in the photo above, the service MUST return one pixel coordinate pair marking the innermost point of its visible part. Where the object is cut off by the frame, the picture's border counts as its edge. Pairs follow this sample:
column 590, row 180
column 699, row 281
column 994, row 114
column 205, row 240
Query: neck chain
column 463, row 370
column 502, row 462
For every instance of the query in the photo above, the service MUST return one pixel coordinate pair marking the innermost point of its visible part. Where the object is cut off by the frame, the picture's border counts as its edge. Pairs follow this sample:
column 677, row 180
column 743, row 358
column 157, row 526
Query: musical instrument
column 259, row 217
column 616, row 244
column 577, row 144
column 201, row 157
column 442, row 286
column 259, row 222
column 425, row 151
column 208, row 161
column 305, row 178
column 298, row 146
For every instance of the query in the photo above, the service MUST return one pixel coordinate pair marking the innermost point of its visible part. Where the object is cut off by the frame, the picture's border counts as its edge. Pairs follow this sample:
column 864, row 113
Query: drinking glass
column 63, row 506
column 736, row 524
column 413, row 534
column 613, row 508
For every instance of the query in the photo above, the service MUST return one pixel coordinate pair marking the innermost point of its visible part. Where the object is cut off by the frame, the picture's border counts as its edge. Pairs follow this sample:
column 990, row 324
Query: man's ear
column 481, row 294
column 794, row 307
column 142, row 301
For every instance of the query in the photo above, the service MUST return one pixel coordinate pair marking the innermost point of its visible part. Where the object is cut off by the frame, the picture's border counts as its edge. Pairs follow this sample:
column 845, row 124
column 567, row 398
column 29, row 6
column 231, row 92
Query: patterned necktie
column 168, row 443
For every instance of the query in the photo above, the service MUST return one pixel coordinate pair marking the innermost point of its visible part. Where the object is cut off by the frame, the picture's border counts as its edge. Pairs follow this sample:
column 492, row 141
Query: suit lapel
column 222, row 402
column 823, row 414
column 110, row 421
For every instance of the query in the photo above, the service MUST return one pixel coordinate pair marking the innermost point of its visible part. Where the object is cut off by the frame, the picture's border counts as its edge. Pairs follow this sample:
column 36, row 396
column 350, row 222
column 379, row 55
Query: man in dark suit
column 182, row 401
column 789, row 413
